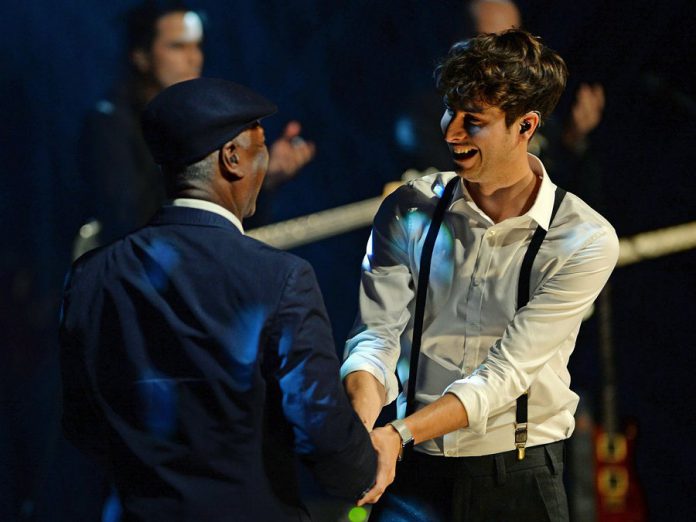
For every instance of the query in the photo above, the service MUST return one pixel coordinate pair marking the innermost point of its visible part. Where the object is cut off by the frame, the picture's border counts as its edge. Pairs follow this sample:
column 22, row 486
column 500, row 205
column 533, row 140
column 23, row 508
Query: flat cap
column 187, row 121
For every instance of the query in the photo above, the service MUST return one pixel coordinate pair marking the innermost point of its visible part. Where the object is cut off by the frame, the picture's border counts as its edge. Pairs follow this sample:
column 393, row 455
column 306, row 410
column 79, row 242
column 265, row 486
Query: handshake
column 367, row 396
column 388, row 446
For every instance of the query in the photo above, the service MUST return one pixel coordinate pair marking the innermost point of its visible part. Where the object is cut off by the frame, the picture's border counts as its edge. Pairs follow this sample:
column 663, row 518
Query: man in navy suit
column 197, row 362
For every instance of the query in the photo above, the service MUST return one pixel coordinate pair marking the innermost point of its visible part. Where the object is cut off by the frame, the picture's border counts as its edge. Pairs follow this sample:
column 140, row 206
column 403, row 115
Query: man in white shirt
column 482, row 348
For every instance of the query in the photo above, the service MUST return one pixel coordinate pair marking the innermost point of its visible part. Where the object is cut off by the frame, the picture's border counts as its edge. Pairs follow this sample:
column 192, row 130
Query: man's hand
column 288, row 154
column 387, row 444
column 585, row 115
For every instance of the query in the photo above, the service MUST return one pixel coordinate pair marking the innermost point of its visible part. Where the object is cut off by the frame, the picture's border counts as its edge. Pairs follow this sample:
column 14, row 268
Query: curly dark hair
column 511, row 70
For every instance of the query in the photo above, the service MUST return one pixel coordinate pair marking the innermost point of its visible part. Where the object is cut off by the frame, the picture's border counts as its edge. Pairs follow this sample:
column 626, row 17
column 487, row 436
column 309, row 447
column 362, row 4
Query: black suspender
column 422, row 290
column 522, row 300
column 532, row 249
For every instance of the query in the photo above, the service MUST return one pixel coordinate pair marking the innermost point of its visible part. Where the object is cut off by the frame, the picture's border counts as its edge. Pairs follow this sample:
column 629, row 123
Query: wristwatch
column 406, row 436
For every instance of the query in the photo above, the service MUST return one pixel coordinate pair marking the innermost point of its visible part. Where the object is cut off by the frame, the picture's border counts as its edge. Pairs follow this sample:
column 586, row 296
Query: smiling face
column 484, row 149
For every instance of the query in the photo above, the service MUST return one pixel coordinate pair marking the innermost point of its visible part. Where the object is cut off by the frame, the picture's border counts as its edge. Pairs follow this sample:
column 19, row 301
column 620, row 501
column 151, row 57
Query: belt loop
column 500, row 469
column 551, row 457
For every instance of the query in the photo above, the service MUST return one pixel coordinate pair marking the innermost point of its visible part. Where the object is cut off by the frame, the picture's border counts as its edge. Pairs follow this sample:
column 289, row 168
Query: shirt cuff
column 356, row 363
column 475, row 403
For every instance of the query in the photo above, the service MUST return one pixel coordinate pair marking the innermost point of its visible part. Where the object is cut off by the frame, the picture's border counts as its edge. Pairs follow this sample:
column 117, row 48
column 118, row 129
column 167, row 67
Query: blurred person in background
column 164, row 47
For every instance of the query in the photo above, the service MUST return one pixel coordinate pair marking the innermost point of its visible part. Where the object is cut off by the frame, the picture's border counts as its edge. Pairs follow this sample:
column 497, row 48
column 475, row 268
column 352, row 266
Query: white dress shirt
column 210, row 207
column 475, row 344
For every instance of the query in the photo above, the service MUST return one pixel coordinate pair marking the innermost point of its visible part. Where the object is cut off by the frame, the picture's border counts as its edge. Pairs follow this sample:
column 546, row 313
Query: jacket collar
column 179, row 215
column 211, row 207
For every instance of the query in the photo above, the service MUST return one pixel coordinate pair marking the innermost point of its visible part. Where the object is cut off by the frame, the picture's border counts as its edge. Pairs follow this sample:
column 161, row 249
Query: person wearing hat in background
column 124, row 184
column 197, row 361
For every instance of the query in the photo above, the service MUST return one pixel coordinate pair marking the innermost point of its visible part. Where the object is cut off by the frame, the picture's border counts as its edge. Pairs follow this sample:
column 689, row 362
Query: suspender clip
column 520, row 439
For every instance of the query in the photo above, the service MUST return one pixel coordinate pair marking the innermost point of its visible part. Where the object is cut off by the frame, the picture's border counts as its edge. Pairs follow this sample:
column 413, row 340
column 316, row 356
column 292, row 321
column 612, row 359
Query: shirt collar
column 541, row 209
column 543, row 204
column 210, row 207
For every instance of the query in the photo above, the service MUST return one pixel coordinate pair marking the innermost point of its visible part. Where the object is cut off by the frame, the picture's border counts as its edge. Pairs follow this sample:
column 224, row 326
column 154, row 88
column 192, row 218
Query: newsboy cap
column 187, row 121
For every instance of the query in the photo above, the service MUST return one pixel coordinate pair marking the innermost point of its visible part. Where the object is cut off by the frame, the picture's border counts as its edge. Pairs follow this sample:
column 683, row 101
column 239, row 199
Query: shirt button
column 449, row 453
column 476, row 281
column 491, row 233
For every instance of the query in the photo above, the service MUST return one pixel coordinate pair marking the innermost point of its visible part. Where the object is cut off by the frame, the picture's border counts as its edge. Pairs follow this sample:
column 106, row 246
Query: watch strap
column 404, row 433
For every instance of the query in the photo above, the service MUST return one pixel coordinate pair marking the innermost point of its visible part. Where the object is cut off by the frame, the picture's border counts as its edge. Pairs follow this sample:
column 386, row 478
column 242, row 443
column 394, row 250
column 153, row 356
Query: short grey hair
column 202, row 170
column 176, row 176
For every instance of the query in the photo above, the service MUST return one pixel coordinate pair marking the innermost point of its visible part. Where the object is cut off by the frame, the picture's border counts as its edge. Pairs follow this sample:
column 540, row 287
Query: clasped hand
column 387, row 444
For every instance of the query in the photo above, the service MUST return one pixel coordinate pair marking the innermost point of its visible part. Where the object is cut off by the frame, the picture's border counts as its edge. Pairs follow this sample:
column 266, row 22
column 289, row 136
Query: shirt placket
column 473, row 306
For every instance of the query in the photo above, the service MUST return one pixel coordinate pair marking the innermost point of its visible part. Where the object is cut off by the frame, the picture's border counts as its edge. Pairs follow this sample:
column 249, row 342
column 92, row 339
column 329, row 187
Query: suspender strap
column 522, row 299
column 532, row 250
column 422, row 290
column 421, row 293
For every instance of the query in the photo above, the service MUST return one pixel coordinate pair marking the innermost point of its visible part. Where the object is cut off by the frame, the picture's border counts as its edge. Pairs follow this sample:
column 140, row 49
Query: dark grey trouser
column 492, row 488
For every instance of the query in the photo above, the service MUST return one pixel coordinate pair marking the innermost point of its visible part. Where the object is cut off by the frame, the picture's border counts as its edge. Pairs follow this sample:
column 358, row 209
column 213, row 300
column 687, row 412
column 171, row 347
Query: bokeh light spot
column 357, row 514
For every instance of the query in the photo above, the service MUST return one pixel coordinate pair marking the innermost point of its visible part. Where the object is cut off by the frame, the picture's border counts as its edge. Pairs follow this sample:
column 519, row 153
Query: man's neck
column 504, row 202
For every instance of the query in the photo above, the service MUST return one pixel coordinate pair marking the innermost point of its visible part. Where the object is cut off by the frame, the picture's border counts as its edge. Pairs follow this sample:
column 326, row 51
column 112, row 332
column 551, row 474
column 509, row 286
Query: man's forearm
column 438, row 418
column 367, row 396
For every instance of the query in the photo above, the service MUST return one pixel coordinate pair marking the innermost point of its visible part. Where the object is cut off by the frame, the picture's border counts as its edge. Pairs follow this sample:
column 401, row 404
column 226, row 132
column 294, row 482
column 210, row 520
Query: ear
column 141, row 61
column 529, row 123
column 229, row 161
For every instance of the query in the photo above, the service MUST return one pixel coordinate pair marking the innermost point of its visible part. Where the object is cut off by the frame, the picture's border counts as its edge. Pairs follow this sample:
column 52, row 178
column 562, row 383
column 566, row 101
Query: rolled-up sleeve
column 386, row 293
column 537, row 330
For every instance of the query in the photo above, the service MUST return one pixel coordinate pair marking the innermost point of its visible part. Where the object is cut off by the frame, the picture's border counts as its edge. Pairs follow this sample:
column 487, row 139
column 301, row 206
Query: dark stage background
column 344, row 69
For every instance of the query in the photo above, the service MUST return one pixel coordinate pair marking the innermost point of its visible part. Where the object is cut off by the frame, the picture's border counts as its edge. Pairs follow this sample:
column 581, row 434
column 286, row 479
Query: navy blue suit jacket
column 196, row 363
